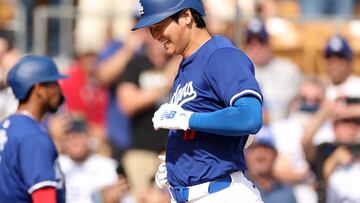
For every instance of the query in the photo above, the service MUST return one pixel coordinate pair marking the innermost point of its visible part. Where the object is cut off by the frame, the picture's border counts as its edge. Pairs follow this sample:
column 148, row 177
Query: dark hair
column 199, row 21
column 26, row 98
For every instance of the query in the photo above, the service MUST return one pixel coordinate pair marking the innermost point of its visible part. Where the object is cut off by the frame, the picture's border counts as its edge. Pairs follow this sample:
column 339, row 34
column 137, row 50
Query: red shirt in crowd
column 84, row 95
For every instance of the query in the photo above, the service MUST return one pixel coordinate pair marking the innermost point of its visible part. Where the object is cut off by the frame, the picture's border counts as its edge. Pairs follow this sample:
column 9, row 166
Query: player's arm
column 46, row 194
column 243, row 118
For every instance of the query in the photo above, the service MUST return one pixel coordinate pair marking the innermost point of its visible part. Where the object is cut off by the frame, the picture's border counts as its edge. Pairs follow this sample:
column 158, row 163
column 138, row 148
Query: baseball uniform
column 24, row 166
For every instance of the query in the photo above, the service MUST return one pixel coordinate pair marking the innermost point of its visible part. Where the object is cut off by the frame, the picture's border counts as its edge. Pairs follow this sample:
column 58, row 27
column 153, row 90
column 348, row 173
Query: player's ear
column 187, row 16
column 40, row 91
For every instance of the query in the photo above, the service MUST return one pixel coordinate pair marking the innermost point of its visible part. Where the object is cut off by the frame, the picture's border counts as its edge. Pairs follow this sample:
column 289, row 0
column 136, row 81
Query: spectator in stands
column 143, row 86
column 327, row 8
column 333, row 114
column 89, row 176
column 278, row 77
column 291, row 166
column 344, row 120
column 342, row 84
column 260, row 157
column 338, row 65
column 342, row 87
column 111, row 63
column 87, row 96
column 342, row 174
column 8, row 57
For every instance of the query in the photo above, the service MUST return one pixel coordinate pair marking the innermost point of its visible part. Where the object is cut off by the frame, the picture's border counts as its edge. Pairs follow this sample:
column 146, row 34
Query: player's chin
column 170, row 50
column 53, row 108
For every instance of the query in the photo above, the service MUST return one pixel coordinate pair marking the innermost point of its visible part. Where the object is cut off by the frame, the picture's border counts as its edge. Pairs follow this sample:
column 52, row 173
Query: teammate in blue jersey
column 215, row 104
column 29, row 171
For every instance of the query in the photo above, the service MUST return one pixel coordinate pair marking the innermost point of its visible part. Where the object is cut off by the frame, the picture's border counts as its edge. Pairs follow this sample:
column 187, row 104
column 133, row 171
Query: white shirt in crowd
column 278, row 81
column 287, row 135
column 349, row 88
column 8, row 103
column 88, row 177
column 344, row 184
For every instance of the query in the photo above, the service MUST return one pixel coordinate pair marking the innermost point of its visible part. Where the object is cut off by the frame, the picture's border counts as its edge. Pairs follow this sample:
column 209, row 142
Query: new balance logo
column 168, row 115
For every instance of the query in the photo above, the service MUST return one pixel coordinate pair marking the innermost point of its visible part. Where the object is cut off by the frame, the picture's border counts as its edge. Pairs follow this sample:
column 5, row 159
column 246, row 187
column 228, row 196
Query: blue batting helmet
column 29, row 71
column 154, row 11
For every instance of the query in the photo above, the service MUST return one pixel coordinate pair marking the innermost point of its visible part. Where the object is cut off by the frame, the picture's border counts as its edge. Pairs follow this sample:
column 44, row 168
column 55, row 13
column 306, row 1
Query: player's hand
column 171, row 116
column 161, row 174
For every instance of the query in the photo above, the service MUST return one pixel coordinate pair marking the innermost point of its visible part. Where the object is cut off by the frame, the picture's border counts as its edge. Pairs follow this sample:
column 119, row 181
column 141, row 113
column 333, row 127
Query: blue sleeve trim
column 243, row 118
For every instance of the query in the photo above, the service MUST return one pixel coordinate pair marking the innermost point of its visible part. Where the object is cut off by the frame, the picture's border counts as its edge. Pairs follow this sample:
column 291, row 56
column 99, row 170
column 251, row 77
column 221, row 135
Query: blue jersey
column 28, row 161
column 212, row 78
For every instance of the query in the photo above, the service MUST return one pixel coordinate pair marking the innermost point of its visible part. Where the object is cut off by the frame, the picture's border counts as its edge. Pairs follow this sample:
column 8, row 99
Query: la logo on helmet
column 141, row 8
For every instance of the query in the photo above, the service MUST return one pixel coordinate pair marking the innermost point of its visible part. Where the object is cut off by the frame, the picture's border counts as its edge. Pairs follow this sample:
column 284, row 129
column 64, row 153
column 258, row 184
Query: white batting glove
column 161, row 175
column 171, row 116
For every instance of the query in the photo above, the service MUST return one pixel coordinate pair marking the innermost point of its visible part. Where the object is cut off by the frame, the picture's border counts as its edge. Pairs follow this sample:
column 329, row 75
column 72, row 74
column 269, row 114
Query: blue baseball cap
column 77, row 125
column 256, row 29
column 155, row 11
column 338, row 46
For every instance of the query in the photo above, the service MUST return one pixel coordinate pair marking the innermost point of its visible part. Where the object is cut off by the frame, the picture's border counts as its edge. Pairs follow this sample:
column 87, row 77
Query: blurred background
column 307, row 61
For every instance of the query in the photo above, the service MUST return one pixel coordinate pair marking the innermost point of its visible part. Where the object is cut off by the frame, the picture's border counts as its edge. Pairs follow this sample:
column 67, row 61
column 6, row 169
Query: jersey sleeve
column 37, row 156
column 231, row 75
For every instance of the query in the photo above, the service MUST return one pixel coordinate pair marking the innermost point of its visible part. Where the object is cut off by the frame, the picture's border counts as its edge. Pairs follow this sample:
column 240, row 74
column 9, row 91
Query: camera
column 352, row 100
column 329, row 148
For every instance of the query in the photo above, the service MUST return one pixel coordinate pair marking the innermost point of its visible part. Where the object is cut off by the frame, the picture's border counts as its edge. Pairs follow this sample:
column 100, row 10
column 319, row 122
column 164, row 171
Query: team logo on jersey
column 183, row 94
column 3, row 139
column 3, row 136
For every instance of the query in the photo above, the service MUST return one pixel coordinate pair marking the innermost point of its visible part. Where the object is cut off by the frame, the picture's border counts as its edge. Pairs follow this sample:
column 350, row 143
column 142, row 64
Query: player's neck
column 197, row 39
column 29, row 110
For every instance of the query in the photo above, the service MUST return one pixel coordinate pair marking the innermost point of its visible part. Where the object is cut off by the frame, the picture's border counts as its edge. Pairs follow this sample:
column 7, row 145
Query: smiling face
column 174, row 36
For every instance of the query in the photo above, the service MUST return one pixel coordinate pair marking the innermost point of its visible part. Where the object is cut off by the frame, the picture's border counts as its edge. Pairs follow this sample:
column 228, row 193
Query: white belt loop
column 198, row 191
column 237, row 176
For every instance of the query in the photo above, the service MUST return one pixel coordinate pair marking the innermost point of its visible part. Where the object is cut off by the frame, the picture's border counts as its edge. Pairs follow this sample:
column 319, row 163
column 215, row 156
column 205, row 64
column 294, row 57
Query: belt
column 184, row 194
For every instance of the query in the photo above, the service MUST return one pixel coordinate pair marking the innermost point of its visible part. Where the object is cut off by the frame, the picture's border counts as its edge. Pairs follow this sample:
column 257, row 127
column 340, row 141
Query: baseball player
column 215, row 104
column 28, row 158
